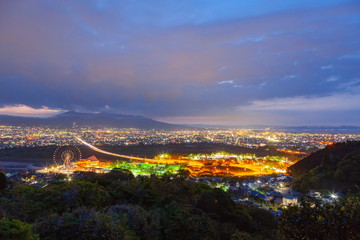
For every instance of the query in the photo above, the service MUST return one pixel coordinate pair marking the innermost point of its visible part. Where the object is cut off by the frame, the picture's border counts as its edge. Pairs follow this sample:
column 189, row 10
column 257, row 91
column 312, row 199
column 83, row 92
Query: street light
column 333, row 196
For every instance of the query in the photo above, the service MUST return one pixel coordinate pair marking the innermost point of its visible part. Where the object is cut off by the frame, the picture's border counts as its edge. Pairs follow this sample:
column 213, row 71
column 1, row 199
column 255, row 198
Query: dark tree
column 3, row 181
column 15, row 229
column 312, row 220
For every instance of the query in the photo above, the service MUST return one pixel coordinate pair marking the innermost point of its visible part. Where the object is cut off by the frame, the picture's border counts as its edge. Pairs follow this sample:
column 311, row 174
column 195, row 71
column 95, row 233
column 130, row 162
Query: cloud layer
column 338, row 102
column 180, row 59
column 26, row 111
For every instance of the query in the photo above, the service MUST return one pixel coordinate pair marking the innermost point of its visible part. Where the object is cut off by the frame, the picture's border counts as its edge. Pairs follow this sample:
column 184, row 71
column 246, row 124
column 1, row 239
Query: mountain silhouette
column 73, row 118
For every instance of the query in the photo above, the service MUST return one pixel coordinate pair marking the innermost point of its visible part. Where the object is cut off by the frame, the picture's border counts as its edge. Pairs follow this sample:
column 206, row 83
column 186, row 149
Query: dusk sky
column 189, row 61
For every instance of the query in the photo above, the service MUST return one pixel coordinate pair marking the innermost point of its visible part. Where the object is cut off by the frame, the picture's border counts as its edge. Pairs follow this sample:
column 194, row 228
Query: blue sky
column 210, row 62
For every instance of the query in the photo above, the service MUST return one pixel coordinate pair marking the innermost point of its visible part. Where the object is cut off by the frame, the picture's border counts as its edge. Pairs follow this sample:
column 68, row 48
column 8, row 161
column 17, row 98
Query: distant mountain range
column 71, row 118
column 114, row 120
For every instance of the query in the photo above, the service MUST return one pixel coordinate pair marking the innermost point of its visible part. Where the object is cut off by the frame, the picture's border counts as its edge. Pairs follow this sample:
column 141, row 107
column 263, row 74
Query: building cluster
column 34, row 178
column 270, row 192
column 22, row 136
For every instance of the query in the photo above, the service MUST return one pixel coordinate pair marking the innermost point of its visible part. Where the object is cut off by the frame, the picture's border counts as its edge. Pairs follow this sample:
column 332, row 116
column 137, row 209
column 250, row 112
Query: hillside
column 117, row 205
column 112, row 120
column 334, row 168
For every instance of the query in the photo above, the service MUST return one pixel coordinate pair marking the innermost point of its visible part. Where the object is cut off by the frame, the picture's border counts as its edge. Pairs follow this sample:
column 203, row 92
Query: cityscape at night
column 179, row 120
column 23, row 136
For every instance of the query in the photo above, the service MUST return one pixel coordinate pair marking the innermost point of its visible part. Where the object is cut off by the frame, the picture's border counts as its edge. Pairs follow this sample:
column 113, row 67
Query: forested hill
column 334, row 168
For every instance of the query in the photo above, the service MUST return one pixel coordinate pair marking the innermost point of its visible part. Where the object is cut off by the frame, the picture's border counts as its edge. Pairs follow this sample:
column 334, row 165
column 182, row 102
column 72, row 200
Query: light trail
column 150, row 160
column 195, row 166
column 110, row 153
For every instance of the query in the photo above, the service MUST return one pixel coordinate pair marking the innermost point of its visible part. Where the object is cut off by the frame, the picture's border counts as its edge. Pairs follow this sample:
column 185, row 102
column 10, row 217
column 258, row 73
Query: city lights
column 290, row 143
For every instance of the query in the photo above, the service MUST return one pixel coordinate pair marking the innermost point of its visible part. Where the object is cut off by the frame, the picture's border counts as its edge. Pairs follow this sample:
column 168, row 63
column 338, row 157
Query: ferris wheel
column 65, row 155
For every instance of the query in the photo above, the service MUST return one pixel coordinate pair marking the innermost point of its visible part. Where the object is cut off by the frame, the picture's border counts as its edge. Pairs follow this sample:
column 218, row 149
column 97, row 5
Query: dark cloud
column 167, row 60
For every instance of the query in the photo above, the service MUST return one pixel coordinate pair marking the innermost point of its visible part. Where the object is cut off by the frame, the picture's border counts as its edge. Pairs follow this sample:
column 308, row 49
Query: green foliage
column 147, row 168
column 215, row 201
column 145, row 224
column 119, row 206
column 335, row 168
column 83, row 223
column 15, row 229
column 179, row 223
column 311, row 220
column 29, row 203
column 241, row 236
column 184, row 173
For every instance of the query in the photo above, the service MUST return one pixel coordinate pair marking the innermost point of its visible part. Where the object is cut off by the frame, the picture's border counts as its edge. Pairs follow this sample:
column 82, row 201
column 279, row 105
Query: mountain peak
column 111, row 120
column 73, row 113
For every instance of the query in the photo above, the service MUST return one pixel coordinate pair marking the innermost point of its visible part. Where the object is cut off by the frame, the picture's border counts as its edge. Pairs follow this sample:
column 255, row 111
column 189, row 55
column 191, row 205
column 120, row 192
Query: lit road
column 233, row 168
column 110, row 153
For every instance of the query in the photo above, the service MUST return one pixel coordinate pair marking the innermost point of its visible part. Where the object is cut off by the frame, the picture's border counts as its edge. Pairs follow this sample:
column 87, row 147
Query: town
column 23, row 136
column 259, row 185
column 260, row 182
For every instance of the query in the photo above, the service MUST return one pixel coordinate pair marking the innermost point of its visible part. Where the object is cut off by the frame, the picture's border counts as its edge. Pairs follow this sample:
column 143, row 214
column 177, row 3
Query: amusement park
column 68, row 159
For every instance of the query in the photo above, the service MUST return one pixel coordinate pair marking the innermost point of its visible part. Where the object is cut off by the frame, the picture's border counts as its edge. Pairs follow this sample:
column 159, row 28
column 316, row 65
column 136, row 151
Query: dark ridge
column 336, row 167
column 71, row 118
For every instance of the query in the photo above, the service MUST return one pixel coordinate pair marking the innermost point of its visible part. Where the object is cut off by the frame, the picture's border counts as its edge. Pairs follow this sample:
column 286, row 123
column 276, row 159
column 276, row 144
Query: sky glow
column 218, row 62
